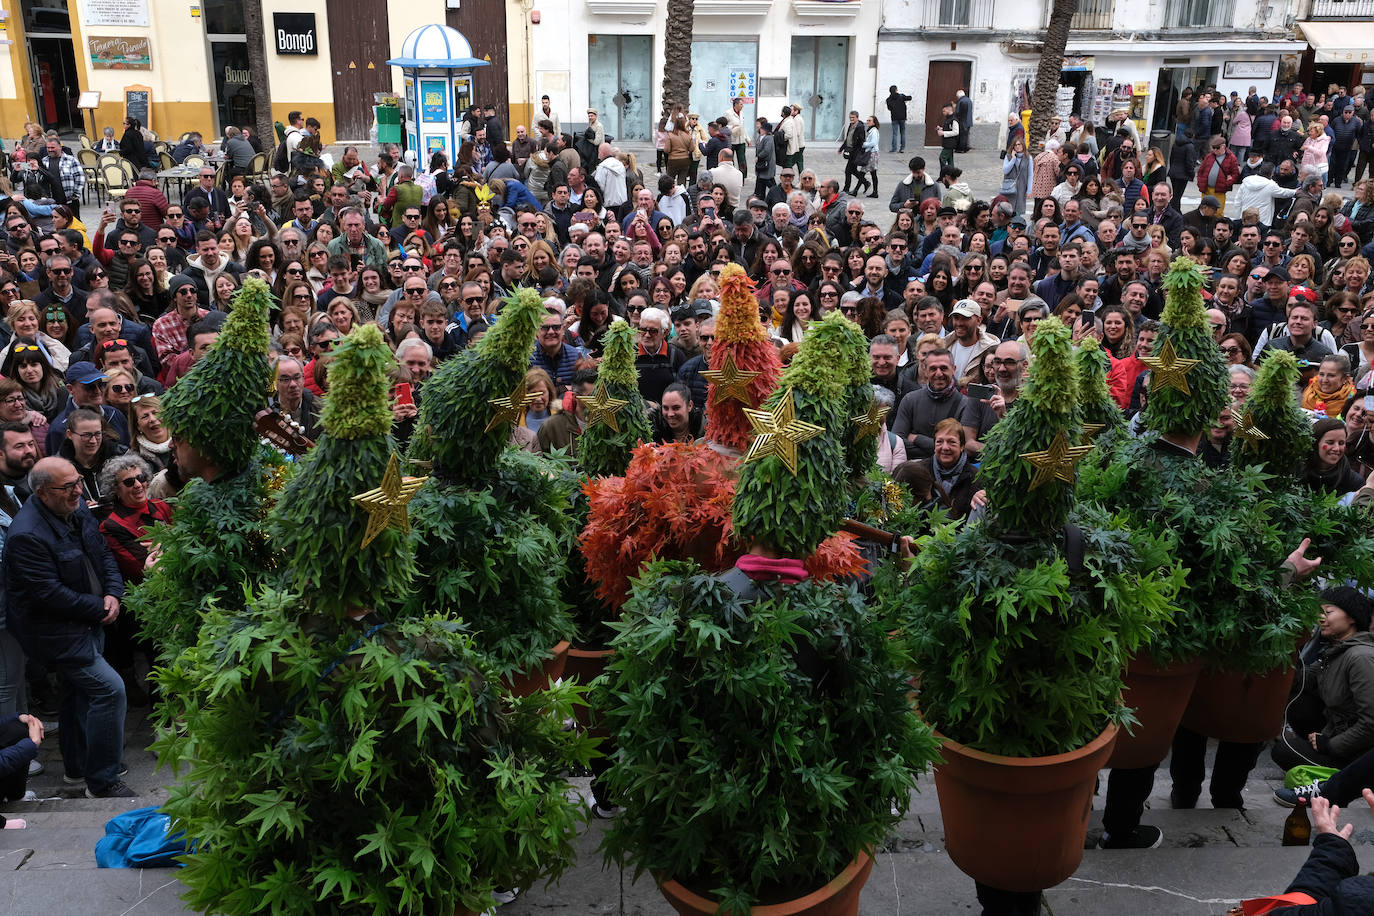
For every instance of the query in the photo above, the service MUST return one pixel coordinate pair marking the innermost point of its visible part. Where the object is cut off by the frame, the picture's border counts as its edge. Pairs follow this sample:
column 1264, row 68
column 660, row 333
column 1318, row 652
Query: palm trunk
column 257, row 71
column 1047, row 74
column 677, row 56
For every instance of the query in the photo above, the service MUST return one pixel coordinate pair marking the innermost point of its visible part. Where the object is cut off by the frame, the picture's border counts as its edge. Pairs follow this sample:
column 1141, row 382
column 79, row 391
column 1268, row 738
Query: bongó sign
column 295, row 33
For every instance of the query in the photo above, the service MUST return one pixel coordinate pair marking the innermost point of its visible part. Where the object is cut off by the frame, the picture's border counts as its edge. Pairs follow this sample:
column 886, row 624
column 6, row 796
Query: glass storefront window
column 223, row 17
column 47, row 16
column 233, row 87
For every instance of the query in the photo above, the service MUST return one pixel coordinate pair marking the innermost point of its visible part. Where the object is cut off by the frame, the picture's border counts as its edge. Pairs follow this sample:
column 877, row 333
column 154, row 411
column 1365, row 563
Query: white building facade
column 609, row 55
column 1133, row 54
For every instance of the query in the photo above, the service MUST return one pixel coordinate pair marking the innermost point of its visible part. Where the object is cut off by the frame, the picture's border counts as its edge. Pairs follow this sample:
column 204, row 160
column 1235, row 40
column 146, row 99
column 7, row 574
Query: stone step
column 97, row 892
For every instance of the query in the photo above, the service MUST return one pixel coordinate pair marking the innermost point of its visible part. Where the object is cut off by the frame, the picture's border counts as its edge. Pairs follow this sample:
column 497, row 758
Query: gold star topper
column 1168, row 368
column 1090, row 430
column 1249, row 433
column 509, row 409
column 602, row 408
column 1055, row 462
column 386, row 505
column 870, row 422
column 779, row 432
column 731, row 383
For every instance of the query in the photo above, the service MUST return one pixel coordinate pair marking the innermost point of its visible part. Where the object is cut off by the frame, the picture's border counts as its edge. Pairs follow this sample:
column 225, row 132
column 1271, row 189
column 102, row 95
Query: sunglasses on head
column 25, row 348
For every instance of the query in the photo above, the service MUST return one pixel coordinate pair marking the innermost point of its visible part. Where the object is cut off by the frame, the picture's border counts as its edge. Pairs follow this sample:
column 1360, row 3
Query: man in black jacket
column 64, row 587
column 896, row 111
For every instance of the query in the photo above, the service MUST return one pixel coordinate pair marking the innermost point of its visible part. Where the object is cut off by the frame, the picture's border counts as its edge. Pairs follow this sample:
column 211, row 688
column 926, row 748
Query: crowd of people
column 101, row 316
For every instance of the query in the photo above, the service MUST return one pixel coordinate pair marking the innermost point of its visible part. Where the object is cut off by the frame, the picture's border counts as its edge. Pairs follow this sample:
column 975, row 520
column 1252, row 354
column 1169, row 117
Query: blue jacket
column 15, row 758
column 561, row 368
column 52, row 610
column 517, row 195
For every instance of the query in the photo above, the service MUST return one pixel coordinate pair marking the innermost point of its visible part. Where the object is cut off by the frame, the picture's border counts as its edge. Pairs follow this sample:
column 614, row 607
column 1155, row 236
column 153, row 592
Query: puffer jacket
column 1346, row 684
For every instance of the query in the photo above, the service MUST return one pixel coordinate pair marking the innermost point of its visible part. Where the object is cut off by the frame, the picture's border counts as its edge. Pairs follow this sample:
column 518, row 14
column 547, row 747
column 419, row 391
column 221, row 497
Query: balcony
column 953, row 14
column 1093, row 14
column 1342, row 9
column 1192, row 14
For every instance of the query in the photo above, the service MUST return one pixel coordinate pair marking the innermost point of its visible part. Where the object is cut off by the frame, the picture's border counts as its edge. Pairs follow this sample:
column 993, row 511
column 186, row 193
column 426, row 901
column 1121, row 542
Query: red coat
column 1229, row 175
column 125, row 530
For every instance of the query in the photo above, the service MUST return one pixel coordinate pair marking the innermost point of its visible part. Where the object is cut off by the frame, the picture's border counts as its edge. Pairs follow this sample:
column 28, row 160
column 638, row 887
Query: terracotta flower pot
column 1159, row 696
column 536, row 679
column 839, row 897
column 1018, row 823
column 586, row 665
column 1231, row 706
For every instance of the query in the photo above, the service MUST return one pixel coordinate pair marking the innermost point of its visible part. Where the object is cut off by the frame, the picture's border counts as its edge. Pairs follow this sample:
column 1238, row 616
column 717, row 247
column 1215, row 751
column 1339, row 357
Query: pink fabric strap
column 786, row 570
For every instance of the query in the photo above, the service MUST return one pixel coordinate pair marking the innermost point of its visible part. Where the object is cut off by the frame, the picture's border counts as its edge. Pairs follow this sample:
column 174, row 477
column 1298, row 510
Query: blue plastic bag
column 139, row 839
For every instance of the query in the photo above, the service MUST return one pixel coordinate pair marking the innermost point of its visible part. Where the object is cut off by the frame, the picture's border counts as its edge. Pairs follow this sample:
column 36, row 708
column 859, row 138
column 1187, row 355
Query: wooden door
column 359, row 45
column 483, row 24
column 946, row 76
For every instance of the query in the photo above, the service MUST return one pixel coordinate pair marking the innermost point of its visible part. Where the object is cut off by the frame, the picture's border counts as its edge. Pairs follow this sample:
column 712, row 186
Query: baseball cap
column 1019, row 221
column 758, row 202
column 1211, row 201
column 967, row 308
column 1278, row 272
column 84, row 373
column 701, row 308
column 947, row 211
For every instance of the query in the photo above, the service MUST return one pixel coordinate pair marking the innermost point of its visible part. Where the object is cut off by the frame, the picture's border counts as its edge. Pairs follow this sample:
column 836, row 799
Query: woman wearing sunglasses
column 26, row 321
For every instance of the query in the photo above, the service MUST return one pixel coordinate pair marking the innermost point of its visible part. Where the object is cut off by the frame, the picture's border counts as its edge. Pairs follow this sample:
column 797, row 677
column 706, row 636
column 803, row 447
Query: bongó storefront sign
column 295, row 33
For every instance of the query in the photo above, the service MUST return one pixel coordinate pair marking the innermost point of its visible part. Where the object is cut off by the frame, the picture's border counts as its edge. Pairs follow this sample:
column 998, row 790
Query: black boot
column 874, row 178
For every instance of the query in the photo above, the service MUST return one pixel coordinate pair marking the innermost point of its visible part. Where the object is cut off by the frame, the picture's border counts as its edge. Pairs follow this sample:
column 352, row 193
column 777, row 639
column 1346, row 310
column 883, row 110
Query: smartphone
column 401, row 394
column 709, row 212
column 980, row 392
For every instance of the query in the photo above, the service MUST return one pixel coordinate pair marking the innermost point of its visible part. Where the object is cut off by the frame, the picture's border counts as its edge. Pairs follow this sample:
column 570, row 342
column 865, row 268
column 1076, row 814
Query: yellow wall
column 305, row 80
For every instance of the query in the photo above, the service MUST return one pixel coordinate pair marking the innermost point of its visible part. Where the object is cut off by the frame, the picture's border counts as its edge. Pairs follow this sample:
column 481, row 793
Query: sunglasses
column 174, row 216
column 131, row 481
column 53, row 316
column 25, row 348
column 1347, row 311
column 111, row 344
column 473, row 300
column 780, row 273
column 62, row 271
column 327, row 344
column 1230, row 351
column 100, row 275
column 124, row 389
column 412, row 267
column 706, row 337
column 413, row 291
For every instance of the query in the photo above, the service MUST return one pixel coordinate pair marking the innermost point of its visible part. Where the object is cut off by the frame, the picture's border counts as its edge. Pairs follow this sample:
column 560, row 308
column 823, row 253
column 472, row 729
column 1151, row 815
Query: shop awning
column 1341, row 42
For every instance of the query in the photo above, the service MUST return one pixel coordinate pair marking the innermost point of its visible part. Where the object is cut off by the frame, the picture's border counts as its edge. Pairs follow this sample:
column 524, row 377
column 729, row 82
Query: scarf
column 147, row 446
column 945, row 479
column 1313, row 397
column 370, row 304
column 938, row 396
column 786, row 570
column 50, row 404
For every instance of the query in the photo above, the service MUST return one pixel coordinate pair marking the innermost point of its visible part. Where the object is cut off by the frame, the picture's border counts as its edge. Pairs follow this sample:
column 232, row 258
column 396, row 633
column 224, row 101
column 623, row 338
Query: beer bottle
column 1297, row 829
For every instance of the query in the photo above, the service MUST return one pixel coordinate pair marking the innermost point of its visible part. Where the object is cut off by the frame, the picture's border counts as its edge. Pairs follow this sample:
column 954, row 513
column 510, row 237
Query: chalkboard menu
column 136, row 103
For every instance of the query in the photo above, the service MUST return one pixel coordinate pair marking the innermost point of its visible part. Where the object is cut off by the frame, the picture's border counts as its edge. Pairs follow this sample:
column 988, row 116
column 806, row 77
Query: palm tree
column 257, row 72
column 677, row 56
column 1047, row 74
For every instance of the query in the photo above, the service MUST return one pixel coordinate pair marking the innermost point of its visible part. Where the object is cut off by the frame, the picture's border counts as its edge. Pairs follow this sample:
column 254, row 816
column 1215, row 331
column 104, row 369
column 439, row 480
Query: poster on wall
column 114, row 12
column 433, row 101
column 112, row 52
column 434, row 145
column 742, row 85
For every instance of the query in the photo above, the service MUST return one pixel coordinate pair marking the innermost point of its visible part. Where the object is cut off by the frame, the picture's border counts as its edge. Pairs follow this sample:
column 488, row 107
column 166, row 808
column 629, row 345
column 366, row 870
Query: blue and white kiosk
column 438, row 66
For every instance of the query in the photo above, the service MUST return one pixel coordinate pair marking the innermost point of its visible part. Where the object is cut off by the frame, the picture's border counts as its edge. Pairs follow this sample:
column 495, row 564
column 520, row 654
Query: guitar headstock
column 283, row 433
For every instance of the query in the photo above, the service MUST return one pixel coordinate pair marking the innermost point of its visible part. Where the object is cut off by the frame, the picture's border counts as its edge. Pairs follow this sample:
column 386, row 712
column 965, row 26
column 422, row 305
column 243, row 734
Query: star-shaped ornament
column 1055, row 462
column 602, row 408
column 870, row 422
column 509, row 409
column 731, row 383
column 386, row 505
column 1168, row 368
column 1090, row 430
column 779, row 432
column 1247, row 432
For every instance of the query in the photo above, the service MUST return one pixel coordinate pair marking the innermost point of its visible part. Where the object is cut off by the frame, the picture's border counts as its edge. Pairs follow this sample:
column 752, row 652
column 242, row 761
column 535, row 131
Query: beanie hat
column 1353, row 602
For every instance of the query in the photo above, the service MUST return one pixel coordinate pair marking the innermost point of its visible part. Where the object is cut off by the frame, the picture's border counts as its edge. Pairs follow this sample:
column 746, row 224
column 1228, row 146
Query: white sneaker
column 502, row 896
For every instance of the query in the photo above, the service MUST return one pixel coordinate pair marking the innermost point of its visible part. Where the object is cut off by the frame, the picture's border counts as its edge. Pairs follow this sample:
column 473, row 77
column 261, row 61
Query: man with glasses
column 63, row 588
column 169, row 331
column 1271, row 253
column 553, row 354
column 1005, row 367
column 292, row 398
column 471, row 316
column 216, row 200
column 176, row 223
column 1137, row 238
column 85, row 388
column 20, row 234
column 148, row 196
column 779, row 277
column 122, row 354
column 60, row 291
column 1218, row 172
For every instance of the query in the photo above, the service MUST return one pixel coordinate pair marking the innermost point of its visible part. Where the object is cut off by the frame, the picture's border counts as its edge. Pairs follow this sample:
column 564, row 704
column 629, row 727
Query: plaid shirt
column 169, row 334
column 73, row 177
